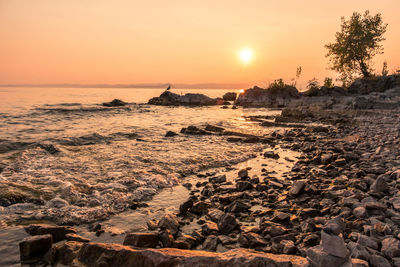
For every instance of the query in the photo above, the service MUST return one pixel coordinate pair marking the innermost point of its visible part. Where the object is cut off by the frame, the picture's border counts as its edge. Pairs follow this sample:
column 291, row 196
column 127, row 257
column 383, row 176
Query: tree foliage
column 358, row 41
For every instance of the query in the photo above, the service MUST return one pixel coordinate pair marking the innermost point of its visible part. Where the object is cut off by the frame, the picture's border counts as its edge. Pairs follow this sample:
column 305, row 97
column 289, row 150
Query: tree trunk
column 364, row 69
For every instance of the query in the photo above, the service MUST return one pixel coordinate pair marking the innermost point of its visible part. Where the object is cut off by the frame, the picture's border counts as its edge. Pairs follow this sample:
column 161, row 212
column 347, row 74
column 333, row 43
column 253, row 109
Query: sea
column 66, row 159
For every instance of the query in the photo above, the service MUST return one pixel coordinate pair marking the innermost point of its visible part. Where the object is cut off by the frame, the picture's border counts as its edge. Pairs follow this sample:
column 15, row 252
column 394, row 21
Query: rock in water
column 33, row 248
column 168, row 98
column 230, row 96
column 115, row 103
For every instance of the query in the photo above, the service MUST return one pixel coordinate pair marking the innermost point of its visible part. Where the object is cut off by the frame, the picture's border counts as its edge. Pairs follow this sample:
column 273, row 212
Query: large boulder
column 33, row 248
column 271, row 97
column 374, row 84
column 231, row 96
column 98, row 254
column 168, row 98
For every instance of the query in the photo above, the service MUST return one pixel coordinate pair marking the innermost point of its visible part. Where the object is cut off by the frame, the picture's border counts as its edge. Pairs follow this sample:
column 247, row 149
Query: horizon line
column 137, row 85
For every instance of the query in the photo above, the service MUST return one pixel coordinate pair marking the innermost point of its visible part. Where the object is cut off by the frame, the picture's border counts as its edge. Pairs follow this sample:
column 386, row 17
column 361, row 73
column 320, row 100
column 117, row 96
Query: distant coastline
column 138, row 85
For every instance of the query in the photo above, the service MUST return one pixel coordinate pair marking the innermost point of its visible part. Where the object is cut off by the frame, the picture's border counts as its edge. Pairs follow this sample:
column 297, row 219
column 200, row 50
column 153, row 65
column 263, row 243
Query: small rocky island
column 337, row 205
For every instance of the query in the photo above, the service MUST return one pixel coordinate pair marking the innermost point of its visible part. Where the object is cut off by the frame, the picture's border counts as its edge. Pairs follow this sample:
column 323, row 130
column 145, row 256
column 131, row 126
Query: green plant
column 385, row 70
column 313, row 84
column 328, row 82
column 358, row 41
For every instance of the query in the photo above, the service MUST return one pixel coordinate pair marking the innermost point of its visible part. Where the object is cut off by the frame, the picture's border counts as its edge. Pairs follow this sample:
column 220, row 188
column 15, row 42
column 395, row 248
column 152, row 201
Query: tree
column 356, row 44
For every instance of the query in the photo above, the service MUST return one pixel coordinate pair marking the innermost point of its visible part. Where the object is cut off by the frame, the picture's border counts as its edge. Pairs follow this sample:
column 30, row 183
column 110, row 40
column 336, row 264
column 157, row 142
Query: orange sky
column 130, row 41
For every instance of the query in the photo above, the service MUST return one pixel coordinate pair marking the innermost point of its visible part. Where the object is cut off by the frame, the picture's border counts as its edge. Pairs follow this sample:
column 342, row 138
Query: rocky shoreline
column 338, row 205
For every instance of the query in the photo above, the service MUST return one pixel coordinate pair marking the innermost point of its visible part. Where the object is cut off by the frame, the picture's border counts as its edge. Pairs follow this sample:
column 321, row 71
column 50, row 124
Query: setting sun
column 246, row 56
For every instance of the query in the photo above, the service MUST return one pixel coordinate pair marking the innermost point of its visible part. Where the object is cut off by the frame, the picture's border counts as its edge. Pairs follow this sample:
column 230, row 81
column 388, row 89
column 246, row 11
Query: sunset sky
column 129, row 41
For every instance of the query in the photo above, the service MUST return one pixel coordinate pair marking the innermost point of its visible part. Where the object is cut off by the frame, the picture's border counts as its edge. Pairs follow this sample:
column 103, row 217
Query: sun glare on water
column 246, row 56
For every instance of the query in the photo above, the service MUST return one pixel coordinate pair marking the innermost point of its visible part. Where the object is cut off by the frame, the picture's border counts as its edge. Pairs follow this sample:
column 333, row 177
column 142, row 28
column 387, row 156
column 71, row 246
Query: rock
column 114, row 103
column 271, row 155
column 215, row 214
column 166, row 238
column 391, row 247
column 274, row 96
column 57, row 232
column 218, row 179
column 359, row 263
column 251, row 240
column 333, row 245
column 378, row 261
column 168, row 98
column 185, row 206
column 213, row 128
column 67, row 252
column 170, row 134
column 169, row 222
column 33, row 248
column 360, row 212
column 379, row 185
column 297, row 188
column 288, row 247
column 211, row 243
column 209, row 228
column 318, row 257
column 238, row 206
column 49, row 148
column 230, row 96
column 95, row 254
column 243, row 186
column 75, row 237
column 143, row 240
column 227, row 223
column 243, row 173
column 200, row 207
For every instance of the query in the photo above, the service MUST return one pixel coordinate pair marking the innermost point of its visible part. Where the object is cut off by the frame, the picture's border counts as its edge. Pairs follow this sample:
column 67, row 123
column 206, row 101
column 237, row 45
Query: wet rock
column 391, row 247
column 75, row 237
column 211, row 243
column 297, row 188
column 114, row 103
column 94, row 254
column 49, row 148
column 57, row 232
column 213, row 128
column 169, row 222
column 227, row 224
column 170, row 134
column 33, row 248
column 143, row 240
